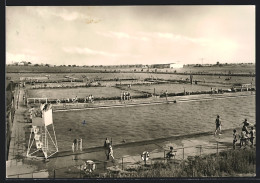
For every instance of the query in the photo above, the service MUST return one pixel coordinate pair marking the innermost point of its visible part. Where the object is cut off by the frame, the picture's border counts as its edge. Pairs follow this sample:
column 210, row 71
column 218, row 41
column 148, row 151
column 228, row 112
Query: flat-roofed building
column 170, row 65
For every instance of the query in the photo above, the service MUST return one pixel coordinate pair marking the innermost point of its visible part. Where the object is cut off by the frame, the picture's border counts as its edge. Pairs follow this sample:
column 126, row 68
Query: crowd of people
column 216, row 90
column 89, row 99
column 248, row 133
column 125, row 95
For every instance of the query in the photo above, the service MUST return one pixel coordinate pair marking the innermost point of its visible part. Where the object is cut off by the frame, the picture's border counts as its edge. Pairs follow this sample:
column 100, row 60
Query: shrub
column 226, row 163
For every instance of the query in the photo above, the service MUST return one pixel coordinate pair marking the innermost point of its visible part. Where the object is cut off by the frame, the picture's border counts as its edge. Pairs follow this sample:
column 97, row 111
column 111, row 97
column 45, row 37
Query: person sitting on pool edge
column 171, row 153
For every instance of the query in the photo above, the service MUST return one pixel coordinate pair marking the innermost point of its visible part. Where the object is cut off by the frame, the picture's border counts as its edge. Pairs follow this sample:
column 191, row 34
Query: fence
column 10, row 111
column 39, row 174
column 9, row 124
column 36, row 100
column 66, row 170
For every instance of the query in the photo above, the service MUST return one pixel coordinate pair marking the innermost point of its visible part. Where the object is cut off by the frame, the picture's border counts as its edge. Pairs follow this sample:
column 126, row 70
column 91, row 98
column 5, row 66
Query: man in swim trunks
column 218, row 125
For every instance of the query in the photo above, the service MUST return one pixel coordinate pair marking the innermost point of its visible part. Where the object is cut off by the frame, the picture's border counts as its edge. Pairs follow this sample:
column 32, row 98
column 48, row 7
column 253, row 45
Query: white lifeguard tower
column 43, row 134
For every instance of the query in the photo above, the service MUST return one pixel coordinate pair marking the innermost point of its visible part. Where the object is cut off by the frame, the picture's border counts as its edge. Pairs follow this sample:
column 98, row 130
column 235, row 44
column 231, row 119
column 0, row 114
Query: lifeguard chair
column 43, row 134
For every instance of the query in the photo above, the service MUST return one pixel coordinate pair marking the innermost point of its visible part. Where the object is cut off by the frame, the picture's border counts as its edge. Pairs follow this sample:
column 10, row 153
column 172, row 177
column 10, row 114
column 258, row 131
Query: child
column 234, row 138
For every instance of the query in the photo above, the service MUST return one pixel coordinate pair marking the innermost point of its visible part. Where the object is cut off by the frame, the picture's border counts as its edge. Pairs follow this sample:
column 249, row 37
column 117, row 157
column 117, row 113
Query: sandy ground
column 128, row 155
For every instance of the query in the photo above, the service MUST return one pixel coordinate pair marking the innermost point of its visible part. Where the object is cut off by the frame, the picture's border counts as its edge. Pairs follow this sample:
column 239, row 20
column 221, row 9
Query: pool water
column 150, row 122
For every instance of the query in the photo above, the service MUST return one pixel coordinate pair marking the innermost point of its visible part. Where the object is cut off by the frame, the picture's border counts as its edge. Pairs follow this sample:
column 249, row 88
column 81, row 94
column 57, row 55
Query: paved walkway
column 17, row 148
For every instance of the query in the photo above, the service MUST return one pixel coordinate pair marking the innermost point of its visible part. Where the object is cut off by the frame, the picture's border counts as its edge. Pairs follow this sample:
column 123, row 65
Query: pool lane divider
column 152, row 103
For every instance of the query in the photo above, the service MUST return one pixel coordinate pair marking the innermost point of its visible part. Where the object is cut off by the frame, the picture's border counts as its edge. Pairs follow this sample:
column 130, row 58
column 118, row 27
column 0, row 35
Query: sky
column 114, row 35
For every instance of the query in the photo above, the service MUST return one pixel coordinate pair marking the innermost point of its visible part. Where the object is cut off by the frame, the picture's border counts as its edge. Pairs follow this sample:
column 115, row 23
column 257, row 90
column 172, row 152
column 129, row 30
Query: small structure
column 145, row 156
column 42, row 133
column 176, row 66
column 170, row 65
column 77, row 145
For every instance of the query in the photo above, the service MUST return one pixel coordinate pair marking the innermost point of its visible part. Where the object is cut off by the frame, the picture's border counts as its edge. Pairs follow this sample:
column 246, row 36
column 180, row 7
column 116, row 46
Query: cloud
column 64, row 14
column 122, row 35
column 87, row 51
column 176, row 37
column 29, row 51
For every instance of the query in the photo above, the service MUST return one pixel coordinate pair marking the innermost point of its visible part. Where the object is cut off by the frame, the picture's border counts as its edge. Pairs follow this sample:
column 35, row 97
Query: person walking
column 218, row 125
column 110, row 152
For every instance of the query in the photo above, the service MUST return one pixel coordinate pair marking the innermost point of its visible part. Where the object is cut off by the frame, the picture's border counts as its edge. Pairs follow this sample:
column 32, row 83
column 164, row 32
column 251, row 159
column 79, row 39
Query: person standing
column 234, row 138
column 106, row 143
column 110, row 153
column 106, row 146
column 252, row 136
column 245, row 125
column 23, row 99
column 166, row 95
column 218, row 125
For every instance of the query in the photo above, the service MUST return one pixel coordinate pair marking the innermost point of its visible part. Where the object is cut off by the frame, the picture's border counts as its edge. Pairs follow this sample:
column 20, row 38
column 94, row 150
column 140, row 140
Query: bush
column 227, row 163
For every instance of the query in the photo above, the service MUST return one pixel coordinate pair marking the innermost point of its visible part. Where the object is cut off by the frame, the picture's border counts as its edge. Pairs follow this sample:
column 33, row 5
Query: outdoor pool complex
column 150, row 122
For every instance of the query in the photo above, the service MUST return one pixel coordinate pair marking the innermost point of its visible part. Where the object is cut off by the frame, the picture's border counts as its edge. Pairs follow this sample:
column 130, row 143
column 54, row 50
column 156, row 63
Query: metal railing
column 125, row 162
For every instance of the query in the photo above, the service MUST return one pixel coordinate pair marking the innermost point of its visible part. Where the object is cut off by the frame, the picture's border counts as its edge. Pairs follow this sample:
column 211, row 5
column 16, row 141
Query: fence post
column 79, row 171
column 200, row 149
column 54, row 173
column 217, row 147
column 122, row 163
column 164, row 155
column 183, row 153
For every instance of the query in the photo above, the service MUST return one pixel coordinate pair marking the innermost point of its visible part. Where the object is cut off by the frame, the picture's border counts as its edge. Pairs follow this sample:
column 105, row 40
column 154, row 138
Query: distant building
column 170, row 65
column 176, row 66
column 21, row 63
